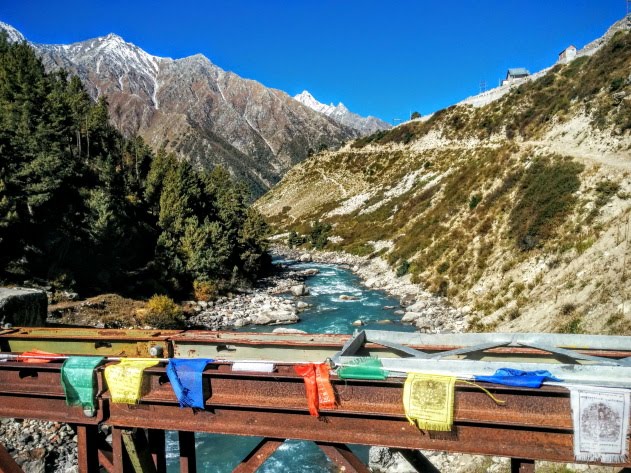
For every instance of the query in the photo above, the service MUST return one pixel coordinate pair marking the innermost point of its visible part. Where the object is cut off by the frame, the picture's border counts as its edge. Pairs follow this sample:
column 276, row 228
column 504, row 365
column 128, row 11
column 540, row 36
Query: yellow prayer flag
column 428, row 400
column 124, row 380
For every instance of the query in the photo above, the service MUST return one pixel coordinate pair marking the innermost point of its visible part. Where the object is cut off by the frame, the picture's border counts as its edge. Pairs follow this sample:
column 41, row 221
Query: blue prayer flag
column 185, row 376
column 513, row 377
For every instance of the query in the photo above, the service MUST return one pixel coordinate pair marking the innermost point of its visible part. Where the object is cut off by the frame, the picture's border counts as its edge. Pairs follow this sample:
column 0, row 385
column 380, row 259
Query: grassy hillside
column 520, row 209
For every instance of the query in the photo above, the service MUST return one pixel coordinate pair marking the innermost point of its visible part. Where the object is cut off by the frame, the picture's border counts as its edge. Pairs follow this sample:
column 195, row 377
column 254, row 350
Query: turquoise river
column 327, row 314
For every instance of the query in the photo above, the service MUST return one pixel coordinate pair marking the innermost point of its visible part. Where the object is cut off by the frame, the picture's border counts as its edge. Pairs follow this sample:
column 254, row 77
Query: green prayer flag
column 79, row 381
column 363, row 368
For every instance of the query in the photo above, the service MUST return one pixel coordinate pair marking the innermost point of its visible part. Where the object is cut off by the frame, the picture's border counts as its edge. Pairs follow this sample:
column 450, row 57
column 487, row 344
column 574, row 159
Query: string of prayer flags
column 124, row 380
column 428, row 400
column 601, row 423
column 513, row 377
column 38, row 356
column 363, row 368
column 318, row 386
column 186, row 380
column 79, row 381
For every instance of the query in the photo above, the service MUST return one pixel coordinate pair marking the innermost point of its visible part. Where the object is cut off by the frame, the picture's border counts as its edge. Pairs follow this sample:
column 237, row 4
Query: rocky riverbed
column 39, row 446
column 430, row 314
column 262, row 305
column 265, row 306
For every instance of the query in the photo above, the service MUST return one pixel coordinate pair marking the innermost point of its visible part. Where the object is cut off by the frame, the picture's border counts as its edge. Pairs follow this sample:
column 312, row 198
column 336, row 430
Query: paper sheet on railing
column 601, row 423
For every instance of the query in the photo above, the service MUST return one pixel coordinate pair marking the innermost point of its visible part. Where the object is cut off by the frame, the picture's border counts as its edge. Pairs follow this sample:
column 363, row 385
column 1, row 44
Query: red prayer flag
column 308, row 375
column 38, row 356
column 318, row 386
column 326, row 396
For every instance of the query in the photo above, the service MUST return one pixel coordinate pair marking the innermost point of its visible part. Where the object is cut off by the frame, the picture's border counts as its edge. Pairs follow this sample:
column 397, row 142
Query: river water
column 327, row 314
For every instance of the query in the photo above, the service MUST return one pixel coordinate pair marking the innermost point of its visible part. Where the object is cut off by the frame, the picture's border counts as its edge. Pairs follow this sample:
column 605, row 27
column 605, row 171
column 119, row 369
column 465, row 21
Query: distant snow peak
column 113, row 37
column 341, row 114
column 309, row 100
column 13, row 35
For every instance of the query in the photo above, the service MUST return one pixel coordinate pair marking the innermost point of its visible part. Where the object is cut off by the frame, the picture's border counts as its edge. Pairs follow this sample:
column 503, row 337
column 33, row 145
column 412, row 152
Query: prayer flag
column 326, row 396
column 186, row 380
column 124, row 380
column 601, row 423
column 79, row 381
column 32, row 356
column 513, row 377
column 428, row 401
column 363, row 368
column 318, row 386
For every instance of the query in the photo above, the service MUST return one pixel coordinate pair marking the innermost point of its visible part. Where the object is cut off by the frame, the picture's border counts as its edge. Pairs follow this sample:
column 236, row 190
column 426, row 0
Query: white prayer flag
column 601, row 423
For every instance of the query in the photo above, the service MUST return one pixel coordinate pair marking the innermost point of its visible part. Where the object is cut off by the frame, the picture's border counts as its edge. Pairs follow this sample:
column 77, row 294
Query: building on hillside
column 567, row 55
column 515, row 74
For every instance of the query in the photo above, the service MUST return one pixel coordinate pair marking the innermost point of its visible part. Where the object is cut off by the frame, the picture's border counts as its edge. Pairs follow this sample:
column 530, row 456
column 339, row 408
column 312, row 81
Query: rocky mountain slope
column 341, row 114
column 196, row 109
column 519, row 211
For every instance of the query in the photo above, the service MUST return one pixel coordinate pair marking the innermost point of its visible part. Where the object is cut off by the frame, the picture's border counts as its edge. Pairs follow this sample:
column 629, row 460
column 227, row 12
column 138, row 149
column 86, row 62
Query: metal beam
column 343, row 458
column 188, row 463
column 118, row 450
column 157, row 447
column 87, row 451
column 418, row 461
column 259, row 455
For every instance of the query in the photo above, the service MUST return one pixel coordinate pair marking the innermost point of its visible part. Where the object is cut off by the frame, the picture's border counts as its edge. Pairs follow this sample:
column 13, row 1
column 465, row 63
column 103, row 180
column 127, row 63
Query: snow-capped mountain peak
column 341, row 114
column 309, row 100
column 14, row 35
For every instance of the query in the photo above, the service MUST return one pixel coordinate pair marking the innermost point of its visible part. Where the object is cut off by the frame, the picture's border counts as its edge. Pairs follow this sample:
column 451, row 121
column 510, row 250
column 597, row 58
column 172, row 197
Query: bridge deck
column 533, row 424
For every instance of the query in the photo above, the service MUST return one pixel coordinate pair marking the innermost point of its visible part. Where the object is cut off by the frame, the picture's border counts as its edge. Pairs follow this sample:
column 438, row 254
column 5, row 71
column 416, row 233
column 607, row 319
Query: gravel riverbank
column 40, row 446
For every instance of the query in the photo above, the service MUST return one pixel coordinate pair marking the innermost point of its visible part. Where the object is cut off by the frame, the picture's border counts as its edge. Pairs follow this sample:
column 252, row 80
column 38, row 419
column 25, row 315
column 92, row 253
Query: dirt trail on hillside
column 620, row 160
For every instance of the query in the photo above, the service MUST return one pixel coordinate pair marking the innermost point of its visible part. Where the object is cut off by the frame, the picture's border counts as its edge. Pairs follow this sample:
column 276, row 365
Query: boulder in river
column 299, row 290
column 305, row 258
column 346, row 297
column 410, row 317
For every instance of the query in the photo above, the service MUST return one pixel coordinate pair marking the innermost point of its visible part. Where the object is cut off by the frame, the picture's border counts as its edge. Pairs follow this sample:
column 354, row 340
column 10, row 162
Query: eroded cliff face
column 196, row 109
column 518, row 211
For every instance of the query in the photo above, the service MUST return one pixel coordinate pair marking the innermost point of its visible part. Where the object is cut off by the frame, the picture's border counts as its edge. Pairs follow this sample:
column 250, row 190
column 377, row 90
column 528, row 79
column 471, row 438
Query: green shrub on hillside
column 294, row 240
column 163, row 313
column 544, row 198
column 319, row 235
column 403, row 268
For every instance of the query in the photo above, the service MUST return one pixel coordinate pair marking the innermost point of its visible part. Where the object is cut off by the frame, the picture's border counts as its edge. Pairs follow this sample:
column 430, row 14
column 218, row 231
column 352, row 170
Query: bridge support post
column 157, row 446
column 87, row 450
column 519, row 465
column 120, row 461
column 188, row 462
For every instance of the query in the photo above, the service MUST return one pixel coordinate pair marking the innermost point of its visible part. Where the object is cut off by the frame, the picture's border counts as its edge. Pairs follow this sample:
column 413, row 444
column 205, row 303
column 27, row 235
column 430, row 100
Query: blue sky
column 379, row 58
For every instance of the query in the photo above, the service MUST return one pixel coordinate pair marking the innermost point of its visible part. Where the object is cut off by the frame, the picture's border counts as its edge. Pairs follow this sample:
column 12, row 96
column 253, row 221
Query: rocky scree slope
column 196, row 109
column 518, row 211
